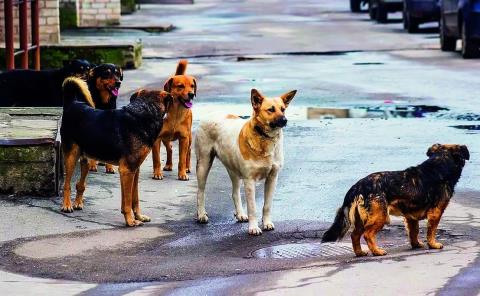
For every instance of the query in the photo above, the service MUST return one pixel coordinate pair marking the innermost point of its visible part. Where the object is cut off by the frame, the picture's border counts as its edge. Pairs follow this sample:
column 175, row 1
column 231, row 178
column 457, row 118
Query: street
column 335, row 59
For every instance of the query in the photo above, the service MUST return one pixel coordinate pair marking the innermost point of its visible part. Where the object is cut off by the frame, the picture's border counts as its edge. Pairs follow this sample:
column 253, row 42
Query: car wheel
column 372, row 12
column 382, row 14
column 470, row 48
column 447, row 43
column 355, row 5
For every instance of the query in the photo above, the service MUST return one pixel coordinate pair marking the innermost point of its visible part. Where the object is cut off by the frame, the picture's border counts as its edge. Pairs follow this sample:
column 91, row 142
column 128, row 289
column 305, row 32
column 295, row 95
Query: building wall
column 92, row 13
column 49, row 22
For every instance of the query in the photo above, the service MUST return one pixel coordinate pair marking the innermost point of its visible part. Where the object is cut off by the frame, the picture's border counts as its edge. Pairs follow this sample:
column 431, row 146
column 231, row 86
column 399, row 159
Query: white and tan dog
column 250, row 150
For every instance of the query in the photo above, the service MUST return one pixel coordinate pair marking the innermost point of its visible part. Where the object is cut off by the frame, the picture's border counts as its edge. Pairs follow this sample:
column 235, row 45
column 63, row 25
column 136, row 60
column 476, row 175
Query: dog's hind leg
column 205, row 156
column 253, row 228
column 78, row 203
column 136, row 200
column 411, row 226
column 357, row 234
column 376, row 218
column 237, row 200
column 184, row 144
column 71, row 156
column 189, row 152
column 169, row 164
column 157, row 171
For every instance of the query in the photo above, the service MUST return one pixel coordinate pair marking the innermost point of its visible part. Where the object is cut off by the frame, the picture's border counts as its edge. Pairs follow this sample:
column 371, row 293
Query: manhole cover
column 306, row 250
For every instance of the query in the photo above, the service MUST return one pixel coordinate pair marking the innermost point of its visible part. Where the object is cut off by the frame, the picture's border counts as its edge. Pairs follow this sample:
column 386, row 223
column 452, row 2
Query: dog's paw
column 435, row 245
column 241, row 217
column 254, row 230
column 109, row 169
column 379, row 252
column 78, row 206
column 134, row 223
column 143, row 218
column 67, row 209
column 168, row 168
column 202, row 218
column 183, row 177
column 157, row 176
column 361, row 253
column 268, row 226
column 417, row 245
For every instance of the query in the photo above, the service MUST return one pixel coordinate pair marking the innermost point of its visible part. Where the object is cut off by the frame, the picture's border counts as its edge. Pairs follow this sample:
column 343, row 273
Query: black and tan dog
column 104, row 82
column 178, row 124
column 123, row 137
column 417, row 193
column 29, row 88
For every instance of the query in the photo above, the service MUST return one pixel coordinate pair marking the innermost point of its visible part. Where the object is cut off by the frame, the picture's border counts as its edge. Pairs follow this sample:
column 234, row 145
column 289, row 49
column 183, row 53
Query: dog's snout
column 118, row 83
column 282, row 121
column 191, row 95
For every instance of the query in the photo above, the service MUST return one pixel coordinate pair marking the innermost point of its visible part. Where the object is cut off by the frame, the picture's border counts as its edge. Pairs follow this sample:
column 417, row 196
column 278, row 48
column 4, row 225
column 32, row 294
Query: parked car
column 356, row 5
column 460, row 19
column 416, row 12
column 379, row 9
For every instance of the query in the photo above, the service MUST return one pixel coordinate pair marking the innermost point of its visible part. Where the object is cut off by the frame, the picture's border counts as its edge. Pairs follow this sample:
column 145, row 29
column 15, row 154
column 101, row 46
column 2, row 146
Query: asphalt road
column 335, row 59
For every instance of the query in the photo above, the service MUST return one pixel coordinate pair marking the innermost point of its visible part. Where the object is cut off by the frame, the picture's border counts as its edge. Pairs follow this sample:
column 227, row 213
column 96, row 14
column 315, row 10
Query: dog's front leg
column 157, row 171
column 127, row 179
column 182, row 161
column 270, row 184
column 136, row 201
column 253, row 228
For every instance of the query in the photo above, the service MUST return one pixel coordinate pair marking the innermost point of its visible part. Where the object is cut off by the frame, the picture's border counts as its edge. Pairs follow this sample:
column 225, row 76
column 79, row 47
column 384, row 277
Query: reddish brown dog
column 177, row 124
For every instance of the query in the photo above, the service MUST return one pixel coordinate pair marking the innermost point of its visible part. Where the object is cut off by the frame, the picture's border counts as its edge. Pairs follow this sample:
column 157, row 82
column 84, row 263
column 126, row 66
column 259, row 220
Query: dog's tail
column 343, row 220
column 181, row 67
column 76, row 89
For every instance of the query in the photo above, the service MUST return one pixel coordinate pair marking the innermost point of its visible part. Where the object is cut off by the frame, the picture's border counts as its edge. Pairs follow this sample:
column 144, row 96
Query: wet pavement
column 336, row 60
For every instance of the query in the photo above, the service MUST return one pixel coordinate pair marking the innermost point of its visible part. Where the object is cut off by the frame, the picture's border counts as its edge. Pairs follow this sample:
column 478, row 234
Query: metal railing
column 10, row 52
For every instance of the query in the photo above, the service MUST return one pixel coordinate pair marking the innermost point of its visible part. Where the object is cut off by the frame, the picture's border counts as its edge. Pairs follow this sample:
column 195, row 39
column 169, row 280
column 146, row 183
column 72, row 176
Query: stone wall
column 49, row 22
column 93, row 13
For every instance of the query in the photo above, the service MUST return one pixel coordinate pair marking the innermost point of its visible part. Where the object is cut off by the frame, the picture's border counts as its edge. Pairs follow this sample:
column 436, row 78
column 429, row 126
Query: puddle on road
column 383, row 111
column 471, row 129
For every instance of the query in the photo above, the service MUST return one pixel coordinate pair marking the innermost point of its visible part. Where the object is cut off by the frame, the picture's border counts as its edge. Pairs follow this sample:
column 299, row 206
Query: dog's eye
column 282, row 109
column 271, row 109
column 180, row 86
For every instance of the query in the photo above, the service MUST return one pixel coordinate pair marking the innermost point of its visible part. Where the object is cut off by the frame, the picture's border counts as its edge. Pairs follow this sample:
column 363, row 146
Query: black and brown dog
column 417, row 193
column 104, row 82
column 29, row 88
column 123, row 137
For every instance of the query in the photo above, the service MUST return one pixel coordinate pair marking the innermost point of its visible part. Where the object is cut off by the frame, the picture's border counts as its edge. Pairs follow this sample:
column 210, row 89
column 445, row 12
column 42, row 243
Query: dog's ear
column 434, row 148
column 288, row 97
column 67, row 63
column 121, row 73
column 463, row 152
column 168, row 85
column 194, row 87
column 257, row 98
column 136, row 94
column 167, row 101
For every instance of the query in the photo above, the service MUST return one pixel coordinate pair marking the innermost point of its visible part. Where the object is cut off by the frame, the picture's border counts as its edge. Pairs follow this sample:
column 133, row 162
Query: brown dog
column 178, row 123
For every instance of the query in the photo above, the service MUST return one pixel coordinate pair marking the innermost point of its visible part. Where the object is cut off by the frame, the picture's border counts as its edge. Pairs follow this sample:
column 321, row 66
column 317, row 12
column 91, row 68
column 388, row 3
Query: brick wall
column 93, row 13
column 49, row 22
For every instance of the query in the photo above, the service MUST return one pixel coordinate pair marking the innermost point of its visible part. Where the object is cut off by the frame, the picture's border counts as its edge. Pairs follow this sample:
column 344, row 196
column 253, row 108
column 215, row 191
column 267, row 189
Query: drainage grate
column 306, row 250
